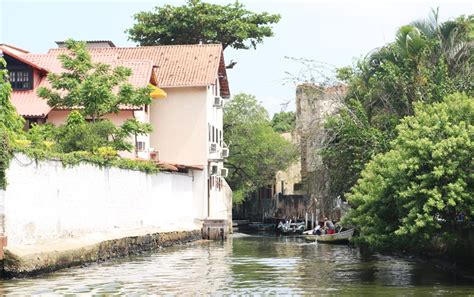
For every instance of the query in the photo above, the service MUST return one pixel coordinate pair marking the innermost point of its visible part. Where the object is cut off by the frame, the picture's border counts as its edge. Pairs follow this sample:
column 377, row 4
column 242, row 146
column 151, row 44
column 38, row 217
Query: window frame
column 21, row 69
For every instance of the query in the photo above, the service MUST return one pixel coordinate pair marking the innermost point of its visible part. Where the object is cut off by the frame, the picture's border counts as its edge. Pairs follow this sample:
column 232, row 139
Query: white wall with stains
column 45, row 201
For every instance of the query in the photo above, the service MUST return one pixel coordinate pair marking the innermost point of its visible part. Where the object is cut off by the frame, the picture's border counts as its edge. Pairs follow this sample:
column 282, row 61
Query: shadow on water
column 262, row 264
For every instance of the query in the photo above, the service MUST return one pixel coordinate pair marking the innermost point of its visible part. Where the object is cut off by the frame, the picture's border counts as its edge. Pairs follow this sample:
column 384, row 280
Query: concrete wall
column 221, row 202
column 313, row 105
column 45, row 201
column 285, row 180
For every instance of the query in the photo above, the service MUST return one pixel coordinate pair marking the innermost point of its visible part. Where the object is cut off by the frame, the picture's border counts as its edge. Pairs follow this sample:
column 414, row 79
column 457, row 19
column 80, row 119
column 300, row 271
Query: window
column 140, row 146
column 21, row 79
column 298, row 187
column 30, row 122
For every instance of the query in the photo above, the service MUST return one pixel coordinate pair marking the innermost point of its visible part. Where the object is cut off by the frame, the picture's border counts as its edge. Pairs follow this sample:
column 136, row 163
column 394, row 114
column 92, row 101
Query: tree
column 284, row 121
column 9, row 119
column 94, row 89
column 257, row 151
column 10, row 122
column 416, row 191
column 386, row 84
column 197, row 21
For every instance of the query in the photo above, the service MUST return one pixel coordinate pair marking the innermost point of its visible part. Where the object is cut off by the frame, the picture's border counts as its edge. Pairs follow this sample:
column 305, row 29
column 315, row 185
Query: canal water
column 249, row 265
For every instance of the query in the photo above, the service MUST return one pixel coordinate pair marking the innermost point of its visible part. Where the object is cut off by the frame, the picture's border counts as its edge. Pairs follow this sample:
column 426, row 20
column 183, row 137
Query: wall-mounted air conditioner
column 224, row 172
column 214, row 170
column 225, row 152
column 154, row 154
column 218, row 102
column 213, row 147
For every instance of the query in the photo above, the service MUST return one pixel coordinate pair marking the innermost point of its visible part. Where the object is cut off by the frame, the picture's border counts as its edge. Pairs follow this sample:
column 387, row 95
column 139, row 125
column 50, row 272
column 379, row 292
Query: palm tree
column 454, row 38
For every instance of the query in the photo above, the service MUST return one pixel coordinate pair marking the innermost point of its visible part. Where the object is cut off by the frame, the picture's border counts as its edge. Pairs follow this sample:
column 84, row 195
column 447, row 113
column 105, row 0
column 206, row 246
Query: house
column 187, row 125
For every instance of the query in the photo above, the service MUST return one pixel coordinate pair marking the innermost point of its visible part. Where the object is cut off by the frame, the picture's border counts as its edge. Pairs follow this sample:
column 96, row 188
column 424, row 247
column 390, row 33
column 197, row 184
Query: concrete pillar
column 214, row 229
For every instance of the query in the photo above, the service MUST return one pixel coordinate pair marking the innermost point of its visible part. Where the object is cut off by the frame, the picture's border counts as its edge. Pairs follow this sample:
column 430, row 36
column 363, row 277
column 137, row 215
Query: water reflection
column 262, row 265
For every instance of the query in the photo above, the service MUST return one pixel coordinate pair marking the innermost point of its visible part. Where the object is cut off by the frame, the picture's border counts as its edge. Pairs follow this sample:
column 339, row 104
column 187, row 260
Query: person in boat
column 329, row 226
column 317, row 230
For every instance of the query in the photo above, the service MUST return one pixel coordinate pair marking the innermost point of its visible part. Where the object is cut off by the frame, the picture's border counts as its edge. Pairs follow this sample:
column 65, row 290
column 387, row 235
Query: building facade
column 187, row 124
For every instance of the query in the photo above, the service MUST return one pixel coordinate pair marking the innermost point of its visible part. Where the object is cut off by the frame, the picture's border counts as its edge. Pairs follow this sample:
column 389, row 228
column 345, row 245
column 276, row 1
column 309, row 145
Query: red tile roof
column 177, row 65
column 51, row 63
column 28, row 104
column 13, row 49
column 165, row 66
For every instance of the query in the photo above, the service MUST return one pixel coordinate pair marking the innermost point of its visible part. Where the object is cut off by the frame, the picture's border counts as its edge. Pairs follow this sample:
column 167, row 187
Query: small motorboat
column 335, row 238
column 287, row 228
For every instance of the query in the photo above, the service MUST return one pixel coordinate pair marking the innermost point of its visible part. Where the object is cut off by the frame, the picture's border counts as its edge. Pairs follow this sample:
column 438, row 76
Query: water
column 249, row 265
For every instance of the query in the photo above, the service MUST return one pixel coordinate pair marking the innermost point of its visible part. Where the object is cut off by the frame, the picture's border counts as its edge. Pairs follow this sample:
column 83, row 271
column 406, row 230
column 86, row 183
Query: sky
column 332, row 33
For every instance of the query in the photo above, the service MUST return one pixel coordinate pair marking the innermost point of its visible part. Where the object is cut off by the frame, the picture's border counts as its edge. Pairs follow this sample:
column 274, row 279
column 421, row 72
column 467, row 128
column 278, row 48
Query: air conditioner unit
column 213, row 147
column 214, row 170
column 218, row 102
column 154, row 154
column 225, row 152
column 224, row 172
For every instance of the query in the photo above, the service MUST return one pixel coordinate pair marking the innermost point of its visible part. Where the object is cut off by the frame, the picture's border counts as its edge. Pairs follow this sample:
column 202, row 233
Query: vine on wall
column 4, row 158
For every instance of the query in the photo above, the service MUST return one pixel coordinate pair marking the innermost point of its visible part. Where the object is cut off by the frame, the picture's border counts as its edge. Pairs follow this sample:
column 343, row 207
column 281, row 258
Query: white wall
column 46, row 200
column 221, row 203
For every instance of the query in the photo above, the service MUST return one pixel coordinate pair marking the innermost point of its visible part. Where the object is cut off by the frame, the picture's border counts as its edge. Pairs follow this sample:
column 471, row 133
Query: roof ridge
column 14, row 47
column 146, row 46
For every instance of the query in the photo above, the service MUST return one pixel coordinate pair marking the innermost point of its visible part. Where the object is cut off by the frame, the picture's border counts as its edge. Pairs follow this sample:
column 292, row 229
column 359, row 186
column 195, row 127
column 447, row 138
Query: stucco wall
column 180, row 126
column 47, row 201
column 58, row 117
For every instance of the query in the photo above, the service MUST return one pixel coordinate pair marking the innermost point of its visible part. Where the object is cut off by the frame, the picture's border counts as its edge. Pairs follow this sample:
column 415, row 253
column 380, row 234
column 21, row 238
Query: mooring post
column 306, row 220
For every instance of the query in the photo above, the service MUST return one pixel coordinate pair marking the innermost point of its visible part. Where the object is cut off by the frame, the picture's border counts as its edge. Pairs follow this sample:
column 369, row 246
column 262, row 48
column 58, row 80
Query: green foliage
column 79, row 135
column 4, row 157
column 413, row 193
column 75, row 142
column 257, row 151
column 87, row 136
column 197, row 21
column 103, row 157
column 9, row 119
column 95, row 88
column 419, row 66
column 10, row 122
column 359, row 143
column 284, row 121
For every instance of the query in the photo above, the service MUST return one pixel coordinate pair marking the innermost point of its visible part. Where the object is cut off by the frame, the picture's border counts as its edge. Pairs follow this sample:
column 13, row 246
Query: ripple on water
column 248, row 265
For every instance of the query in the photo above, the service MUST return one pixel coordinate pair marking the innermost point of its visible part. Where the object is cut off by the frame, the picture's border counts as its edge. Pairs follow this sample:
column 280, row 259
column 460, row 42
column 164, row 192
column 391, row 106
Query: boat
column 336, row 238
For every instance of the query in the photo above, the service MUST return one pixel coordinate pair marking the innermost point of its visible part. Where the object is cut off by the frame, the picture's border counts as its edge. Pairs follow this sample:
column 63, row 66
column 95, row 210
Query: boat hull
column 336, row 238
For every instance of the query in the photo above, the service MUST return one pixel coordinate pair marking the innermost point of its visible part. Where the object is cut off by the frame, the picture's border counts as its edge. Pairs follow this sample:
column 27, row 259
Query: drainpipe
column 208, row 190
